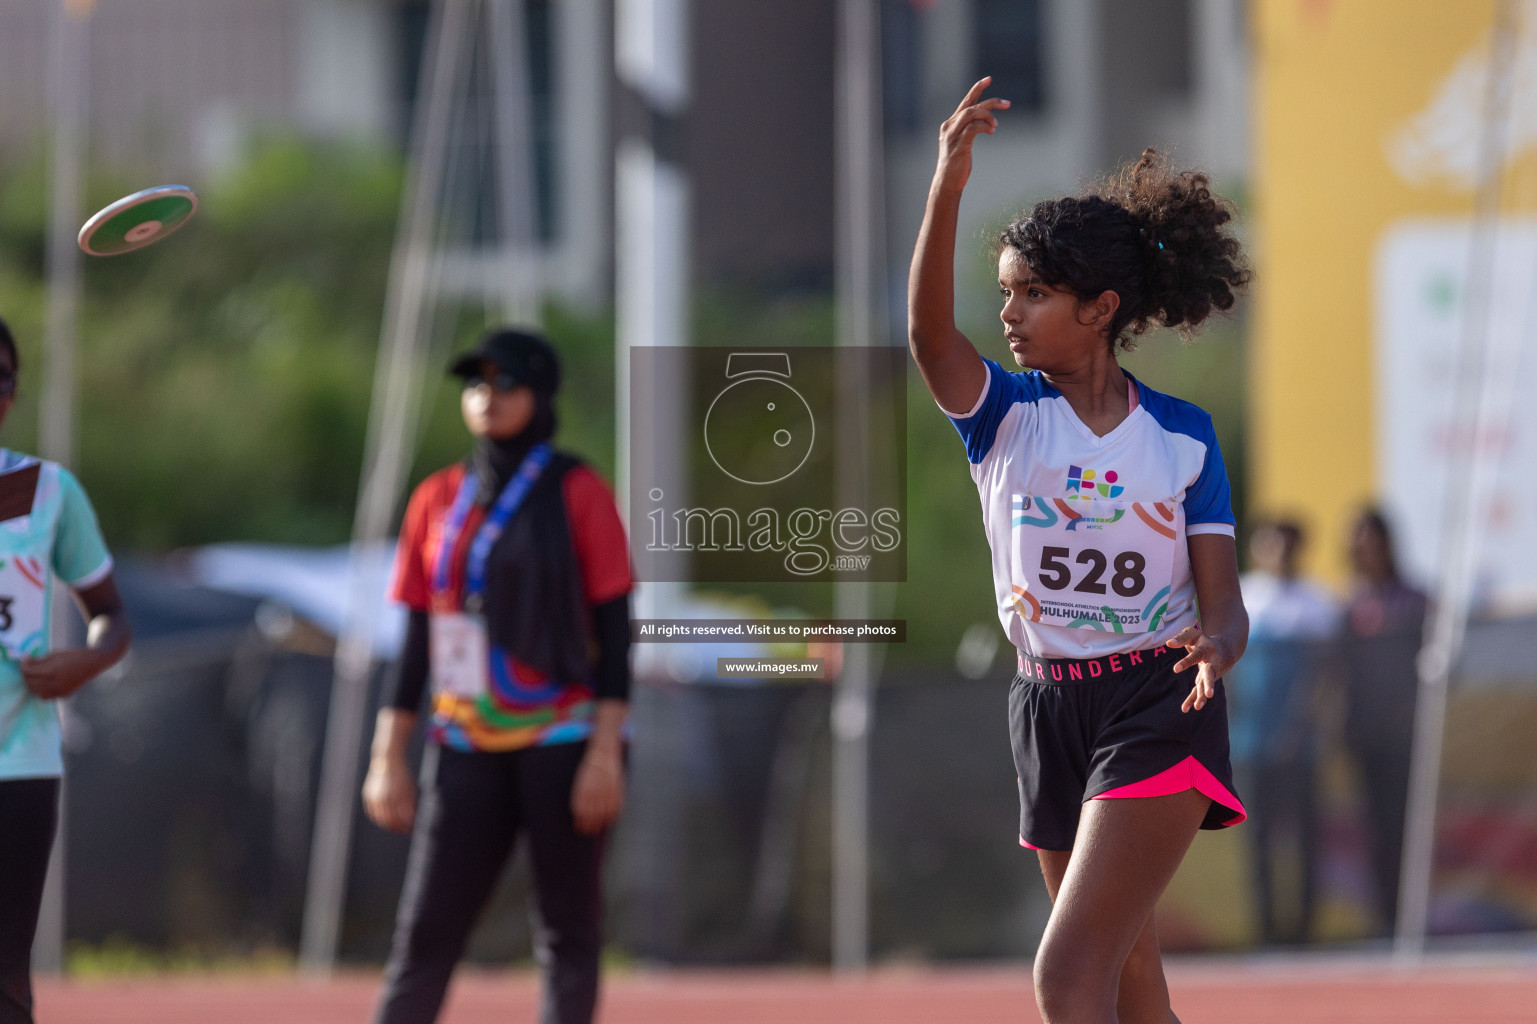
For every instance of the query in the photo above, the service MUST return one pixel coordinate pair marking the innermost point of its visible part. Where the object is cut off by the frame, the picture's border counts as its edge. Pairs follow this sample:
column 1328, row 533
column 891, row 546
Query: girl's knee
column 1143, row 993
column 1071, row 986
column 1143, row 967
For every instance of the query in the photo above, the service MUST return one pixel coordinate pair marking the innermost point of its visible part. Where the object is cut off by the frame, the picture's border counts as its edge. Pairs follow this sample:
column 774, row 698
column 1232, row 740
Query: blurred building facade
column 1092, row 82
column 178, row 91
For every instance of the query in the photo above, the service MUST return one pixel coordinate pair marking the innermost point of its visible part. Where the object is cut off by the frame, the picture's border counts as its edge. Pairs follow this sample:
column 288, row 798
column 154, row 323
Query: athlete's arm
column 597, row 795
column 389, row 791
column 389, row 788
column 951, row 367
column 597, row 792
column 61, row 673
column 1219, row 641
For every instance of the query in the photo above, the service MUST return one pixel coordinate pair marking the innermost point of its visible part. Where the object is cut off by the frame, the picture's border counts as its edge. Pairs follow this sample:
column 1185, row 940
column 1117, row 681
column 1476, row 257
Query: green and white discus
column 138, row 220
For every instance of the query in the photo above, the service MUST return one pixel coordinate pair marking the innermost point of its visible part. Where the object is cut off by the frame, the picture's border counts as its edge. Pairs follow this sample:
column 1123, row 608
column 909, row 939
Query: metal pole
column 511, row 133
column 651, row 232
column 1464, row 504
column 70, row 88
column 860, row 285
column 396, row 402
column 71, row 69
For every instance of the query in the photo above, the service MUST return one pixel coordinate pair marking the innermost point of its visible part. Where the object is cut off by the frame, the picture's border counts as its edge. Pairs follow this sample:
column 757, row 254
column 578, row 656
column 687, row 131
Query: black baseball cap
column 526, row 355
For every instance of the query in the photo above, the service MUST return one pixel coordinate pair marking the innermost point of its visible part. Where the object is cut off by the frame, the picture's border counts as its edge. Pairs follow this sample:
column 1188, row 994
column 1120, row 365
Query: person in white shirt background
column 1273, row 725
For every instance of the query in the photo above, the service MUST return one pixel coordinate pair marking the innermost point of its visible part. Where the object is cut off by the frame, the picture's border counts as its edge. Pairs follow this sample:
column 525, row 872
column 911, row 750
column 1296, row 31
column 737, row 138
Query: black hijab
column 535, row 608
column 495, row 461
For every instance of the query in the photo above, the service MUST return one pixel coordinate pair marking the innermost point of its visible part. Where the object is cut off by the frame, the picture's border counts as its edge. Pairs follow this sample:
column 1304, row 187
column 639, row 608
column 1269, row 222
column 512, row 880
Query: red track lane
column 1202, row 995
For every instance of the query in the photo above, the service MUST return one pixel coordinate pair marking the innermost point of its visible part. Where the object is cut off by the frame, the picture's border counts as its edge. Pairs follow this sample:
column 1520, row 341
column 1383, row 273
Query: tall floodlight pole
column 1483, row 372
column 860, row 285
column 70, row 89
column 651, row 221
column 391, row 435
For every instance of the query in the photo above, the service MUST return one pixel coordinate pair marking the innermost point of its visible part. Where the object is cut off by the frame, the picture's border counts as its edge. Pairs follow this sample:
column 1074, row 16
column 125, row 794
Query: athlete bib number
column 1094, row 565
column 460, row 656
column 23, row 606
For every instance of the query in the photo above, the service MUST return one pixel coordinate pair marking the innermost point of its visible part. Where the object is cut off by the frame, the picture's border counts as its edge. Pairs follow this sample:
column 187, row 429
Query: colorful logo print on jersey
column 1032, row 511
column 1084, row 484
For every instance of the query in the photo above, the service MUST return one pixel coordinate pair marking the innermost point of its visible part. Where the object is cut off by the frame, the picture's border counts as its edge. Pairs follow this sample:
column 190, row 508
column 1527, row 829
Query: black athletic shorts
column 1108, row 727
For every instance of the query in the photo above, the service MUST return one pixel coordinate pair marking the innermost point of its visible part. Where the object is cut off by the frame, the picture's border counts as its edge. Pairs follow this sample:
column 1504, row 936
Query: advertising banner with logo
column 1370, row 123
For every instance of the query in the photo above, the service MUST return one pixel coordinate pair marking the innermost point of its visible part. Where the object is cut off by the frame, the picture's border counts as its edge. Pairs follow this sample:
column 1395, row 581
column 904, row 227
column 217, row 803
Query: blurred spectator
column 515, row 574
column 1273, row 725
column 1384, row 625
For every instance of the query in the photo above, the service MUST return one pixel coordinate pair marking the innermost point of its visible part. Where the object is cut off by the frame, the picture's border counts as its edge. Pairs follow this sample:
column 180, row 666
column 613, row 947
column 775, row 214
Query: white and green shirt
column 59, row 538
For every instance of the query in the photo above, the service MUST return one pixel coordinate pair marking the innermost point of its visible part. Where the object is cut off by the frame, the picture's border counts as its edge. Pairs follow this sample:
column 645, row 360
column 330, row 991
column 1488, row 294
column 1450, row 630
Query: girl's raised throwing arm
column 951, row 367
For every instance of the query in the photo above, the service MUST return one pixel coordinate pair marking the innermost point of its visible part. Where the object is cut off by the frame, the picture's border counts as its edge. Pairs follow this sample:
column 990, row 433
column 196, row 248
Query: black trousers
column 29, row 816
column 1283, row 812
column 472, row 808
column 1384, row 763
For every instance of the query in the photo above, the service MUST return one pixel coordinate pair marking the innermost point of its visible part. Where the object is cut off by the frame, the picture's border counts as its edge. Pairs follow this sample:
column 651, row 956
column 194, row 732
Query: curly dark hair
column 1152, row 235
column 8, row 343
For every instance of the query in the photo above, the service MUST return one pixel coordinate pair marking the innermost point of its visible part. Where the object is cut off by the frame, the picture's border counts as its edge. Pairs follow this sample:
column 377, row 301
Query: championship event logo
column 1080, row 480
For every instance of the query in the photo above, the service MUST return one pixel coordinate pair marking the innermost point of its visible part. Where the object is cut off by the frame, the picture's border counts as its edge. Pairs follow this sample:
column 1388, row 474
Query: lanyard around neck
column 497, row 518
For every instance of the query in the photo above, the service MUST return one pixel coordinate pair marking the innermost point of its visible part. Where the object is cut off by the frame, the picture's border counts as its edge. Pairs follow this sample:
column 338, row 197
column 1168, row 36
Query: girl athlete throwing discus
column 1107, row 509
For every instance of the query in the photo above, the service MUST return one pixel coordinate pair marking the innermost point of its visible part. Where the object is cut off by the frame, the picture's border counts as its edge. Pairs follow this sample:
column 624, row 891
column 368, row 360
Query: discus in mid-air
column 135, row 221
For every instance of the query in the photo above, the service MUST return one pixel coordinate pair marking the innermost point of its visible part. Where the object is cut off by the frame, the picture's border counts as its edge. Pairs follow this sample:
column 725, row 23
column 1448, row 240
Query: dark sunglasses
column 502, row 381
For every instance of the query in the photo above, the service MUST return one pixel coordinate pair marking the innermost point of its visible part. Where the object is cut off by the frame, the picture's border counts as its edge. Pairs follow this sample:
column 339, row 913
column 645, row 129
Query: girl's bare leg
column 1099, row 960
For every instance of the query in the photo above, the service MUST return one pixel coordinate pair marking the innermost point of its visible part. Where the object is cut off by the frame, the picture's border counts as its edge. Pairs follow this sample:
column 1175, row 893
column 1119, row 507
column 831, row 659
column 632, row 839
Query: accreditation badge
column 460, row 655
column 1094, row 564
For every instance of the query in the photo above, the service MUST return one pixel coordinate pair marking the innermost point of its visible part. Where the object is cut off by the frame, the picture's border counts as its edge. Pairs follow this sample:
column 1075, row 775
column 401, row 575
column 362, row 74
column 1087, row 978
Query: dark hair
column 1151, row 235
column 1291, row 529
column 9, row 344
column 1372, row 518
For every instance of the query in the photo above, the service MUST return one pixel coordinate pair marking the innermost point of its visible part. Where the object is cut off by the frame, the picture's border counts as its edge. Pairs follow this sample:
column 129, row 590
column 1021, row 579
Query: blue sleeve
column 979, row 428
column 1210, row 499
column 80, row 556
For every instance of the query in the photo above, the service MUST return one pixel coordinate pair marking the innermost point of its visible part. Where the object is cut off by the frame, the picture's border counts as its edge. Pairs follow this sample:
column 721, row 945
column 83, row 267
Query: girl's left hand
column 597, row 795
column 61, row 673
column 1212, row 653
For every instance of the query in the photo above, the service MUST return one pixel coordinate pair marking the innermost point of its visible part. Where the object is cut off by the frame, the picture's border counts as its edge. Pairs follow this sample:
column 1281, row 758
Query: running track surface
column 1230, row 993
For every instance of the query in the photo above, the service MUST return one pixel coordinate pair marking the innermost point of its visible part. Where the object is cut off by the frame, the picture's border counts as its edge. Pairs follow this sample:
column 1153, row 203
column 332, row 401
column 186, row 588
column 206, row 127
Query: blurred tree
column 225, row 375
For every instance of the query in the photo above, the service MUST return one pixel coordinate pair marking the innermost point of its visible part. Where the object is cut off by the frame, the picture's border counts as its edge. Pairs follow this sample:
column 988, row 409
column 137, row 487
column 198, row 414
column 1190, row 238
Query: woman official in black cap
column 515, row 570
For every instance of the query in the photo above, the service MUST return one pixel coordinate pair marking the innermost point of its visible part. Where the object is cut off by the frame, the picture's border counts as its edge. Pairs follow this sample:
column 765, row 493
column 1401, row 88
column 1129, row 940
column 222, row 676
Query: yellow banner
column 1370, row 116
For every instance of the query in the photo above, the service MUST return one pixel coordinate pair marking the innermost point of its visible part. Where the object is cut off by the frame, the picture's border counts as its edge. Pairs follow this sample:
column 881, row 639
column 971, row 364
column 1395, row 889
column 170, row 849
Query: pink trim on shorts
column 1188, row 774
column 1027, row 844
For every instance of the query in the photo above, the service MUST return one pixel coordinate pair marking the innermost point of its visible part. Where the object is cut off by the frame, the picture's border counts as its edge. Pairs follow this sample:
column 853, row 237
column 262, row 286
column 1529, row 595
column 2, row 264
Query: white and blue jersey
column 1088, row 533
column 58, row 538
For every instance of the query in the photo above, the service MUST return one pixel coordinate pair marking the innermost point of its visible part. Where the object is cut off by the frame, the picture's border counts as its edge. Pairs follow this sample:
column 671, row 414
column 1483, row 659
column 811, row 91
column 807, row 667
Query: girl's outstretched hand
column 972, row 117
column 1212, row 654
